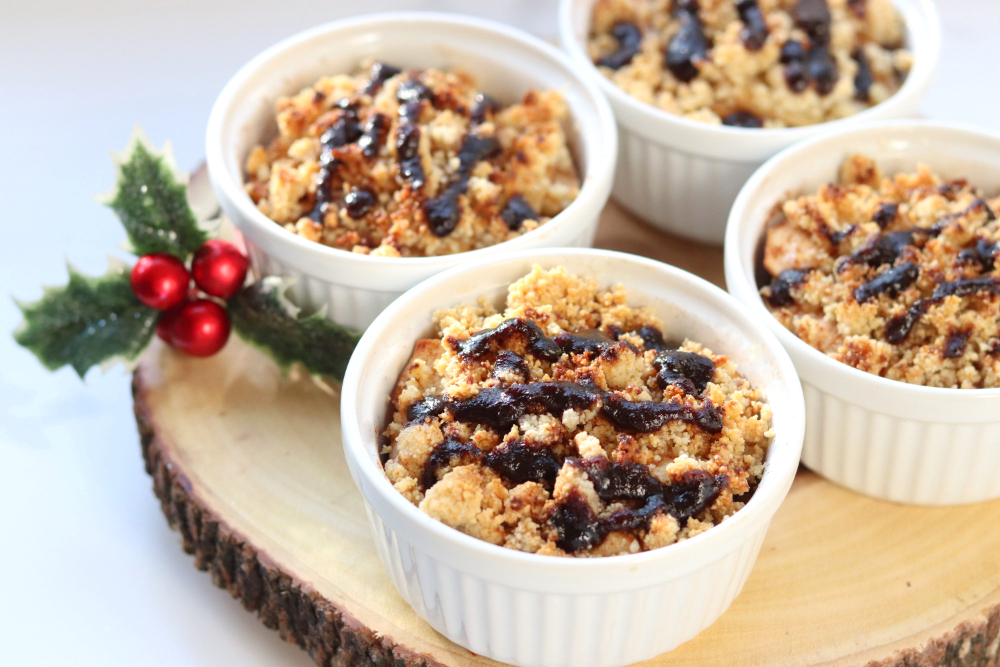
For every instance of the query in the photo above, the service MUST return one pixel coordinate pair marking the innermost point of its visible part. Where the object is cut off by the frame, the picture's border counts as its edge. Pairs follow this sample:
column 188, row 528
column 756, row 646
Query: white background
column 91, row 575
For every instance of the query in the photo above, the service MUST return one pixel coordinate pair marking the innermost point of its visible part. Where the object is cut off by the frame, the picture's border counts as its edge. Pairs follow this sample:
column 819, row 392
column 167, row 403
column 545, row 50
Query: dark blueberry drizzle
column 411, row 95
column 837, row 237
column 510, row 362
column 885, row 214
column 754, row 31
column 578, row 528
column 689, row 44
column 688, row 370
column 793, row 56
column 580, row 342
column 629, row 38
column 515, row 462
column 864, row 79
column 451, row 452
column 968, row 287
column 977, row 204
column 899, row 327
column 743, row 119
column 822, row 68
column 358, row 202
column 346, row 129
column 888, row 282
column 412, row 90
column 371, row 137
column 576, row 524
column 482, row 107
column 781, row 287
column 518, row 463
column 537, row 343
column 883, row 249
column 501, row 407
column 983, row 254
column 443, row 212
column 432, row 406
column 408, row 145
column 792, row 51
column 816, row 65
column 379, row 74
column 813, row 16
column 652, row 338
column 954, row 346
column 516, row 212
column 619, row 481
column 650, row 416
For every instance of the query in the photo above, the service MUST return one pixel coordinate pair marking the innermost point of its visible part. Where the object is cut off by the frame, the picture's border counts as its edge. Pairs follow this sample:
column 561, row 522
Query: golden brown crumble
column 894, row 276
column 412, row 163
column 752, row 63
column 530, row 427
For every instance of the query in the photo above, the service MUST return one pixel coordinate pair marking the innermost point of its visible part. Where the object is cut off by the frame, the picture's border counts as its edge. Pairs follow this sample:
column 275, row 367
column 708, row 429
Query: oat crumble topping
column 752, row 63
column 564, row 425
column 894, row 276
column 412, row 163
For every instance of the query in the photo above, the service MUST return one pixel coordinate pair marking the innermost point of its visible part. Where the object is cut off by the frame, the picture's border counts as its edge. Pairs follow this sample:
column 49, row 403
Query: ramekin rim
column 736, row 278
column 353, row 439
column 591, row 185
column 925, row 66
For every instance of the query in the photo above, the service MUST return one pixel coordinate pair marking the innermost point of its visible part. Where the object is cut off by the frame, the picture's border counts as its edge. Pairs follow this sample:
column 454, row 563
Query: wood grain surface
column 249, row 469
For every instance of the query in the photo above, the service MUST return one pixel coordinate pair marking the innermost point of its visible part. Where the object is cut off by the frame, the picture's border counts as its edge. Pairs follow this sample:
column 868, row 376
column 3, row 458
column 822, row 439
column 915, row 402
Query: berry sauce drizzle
column 689, row 45
column 629, row 38
column 516, row 211
column 411, row 95
column 579, row 528
column 443, row 212
column 816, row 65
column 754, row 31
column 346, row 129
column 898, row 328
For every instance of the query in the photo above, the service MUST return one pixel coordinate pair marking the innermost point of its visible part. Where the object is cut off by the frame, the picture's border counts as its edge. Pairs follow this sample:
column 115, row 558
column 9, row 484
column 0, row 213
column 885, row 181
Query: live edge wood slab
column 249, row 470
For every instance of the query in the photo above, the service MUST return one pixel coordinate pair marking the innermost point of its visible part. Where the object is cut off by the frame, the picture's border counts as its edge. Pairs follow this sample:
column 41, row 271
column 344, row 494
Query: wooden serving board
column 249, row 469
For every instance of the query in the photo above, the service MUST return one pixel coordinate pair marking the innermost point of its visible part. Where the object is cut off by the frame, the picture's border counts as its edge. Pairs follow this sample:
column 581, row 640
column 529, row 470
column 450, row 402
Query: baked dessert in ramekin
column 892, row 322
column 565, row 424
column 681, row 173
column 533, row 609
column 412, row 163
column 505, row 63
column 752, row 63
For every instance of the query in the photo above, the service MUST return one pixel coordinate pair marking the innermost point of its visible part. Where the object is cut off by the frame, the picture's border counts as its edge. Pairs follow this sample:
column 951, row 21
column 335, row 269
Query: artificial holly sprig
column 150, row 199
column 88, row 322
column 99, row 321
column 264, row 317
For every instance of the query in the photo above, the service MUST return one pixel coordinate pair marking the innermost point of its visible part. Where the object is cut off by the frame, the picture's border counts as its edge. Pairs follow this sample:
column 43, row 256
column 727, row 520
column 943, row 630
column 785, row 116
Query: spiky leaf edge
column 251, row 309
column 117, row 276
column 140, row 147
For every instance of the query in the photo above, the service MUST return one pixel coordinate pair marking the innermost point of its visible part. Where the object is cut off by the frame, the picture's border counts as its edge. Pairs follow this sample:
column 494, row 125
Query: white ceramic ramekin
column 880, row 437
column 683, row 175
column 533, row 610
column 355, row 288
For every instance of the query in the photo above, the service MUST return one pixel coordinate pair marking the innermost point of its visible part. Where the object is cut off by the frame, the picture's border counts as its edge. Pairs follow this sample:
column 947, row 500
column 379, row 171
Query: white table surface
column 92, row 574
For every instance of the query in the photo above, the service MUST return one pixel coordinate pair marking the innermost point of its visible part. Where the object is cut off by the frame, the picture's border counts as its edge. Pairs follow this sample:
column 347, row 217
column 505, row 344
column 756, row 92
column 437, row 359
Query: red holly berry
column 219, row 268
column 165, row 325
column 160, row 280
column 200, row 328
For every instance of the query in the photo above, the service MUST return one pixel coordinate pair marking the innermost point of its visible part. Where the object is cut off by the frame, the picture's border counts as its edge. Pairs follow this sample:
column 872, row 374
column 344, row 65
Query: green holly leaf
column 89, row 322
column 263, row 316
column 150, row 199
